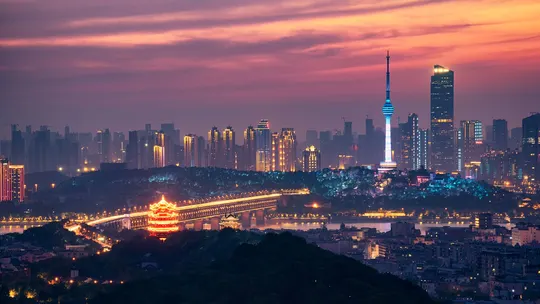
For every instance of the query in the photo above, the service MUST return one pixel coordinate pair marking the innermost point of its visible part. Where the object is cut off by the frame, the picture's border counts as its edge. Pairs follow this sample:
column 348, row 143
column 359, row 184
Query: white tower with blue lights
column 388, row 109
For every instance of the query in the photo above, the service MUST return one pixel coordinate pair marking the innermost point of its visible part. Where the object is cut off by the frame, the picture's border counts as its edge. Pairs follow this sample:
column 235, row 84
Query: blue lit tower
column 388, row 109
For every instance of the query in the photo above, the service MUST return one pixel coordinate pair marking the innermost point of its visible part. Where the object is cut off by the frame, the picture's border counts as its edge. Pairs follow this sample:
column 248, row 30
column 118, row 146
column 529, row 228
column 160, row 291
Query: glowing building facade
column 388, row 109
column 469, row 143
column 263, row 161
column 249, row 149
column 442, row 119
column 5, row 181
column 159, row 150
column 17, row 182
column 191, row 155
column 311, row 159
column 214, row 148
column 531, row 147
column 162, row 219
column 228, row 147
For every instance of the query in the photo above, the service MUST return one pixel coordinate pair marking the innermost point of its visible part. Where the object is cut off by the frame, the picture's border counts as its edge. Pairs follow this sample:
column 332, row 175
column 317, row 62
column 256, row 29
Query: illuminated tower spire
column 388, row 109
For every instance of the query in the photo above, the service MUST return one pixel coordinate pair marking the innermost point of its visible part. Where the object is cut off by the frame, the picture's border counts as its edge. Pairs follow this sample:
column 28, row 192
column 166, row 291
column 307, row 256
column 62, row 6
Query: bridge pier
column 198, row 225
column 259, row 216
column 181, row 226
column 245, row 219
column 214, row 223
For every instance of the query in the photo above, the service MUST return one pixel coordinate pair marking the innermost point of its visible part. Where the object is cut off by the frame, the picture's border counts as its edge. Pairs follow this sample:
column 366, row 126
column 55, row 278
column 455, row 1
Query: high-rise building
column 469, row 143
column 172, row 139
column 40, row 151
column 442, row 119
column 214, row 148
column 274, row 139
column 159, row 150
column 347, row 134
column 388, row 109
column 5, row 181
column 17, row 146
column 312, row 139
column 531, row 147
column 410, row 143
column 202, row 151
column 500, row 134
column 424, row 149
column 287, row 150
column 311, row 159
column 132, row 150
column 263, row 156
column 499, row 166
column 515, row 138
column 17, row 182
column 103, row 140
column 325, row 139
column 228, row 147
column 489, row 134
column 249, row 149
column 191, row 153
column 118, row 147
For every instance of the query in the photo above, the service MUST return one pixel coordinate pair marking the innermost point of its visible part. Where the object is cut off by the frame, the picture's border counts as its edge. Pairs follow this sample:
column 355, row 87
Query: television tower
column 388, row 109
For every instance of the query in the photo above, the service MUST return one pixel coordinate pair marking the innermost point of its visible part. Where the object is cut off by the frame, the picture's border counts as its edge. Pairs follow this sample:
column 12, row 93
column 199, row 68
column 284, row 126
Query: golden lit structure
column 384, row 214
column 311, row 159
column 159, row 150
column 162, row 218
column 17, row 182
column 284, row 150
column 228, row 137
column 230, row 221
column 5, row 181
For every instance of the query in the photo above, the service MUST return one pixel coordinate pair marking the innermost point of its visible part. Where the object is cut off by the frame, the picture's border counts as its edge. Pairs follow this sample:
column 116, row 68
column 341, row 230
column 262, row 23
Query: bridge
column 193, row 214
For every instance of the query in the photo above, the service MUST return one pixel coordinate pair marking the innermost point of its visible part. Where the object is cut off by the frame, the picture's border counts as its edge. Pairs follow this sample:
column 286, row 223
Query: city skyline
column 148, row 63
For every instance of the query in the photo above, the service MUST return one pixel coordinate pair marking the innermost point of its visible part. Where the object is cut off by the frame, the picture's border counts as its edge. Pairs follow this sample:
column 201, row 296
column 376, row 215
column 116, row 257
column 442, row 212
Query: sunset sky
column 119, row 64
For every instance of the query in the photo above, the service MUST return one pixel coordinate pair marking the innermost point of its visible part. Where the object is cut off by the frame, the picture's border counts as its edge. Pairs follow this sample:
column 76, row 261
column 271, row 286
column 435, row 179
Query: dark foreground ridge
column 280, row 269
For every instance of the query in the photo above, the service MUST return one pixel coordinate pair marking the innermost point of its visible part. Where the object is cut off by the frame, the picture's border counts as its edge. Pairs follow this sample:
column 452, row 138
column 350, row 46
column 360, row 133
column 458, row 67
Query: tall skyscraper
column 5, row 181
column 263, row 154
column 17, row 146
column 202, row 152
column 469, row 143
column 531, row 147
column 274, row 139
column 287, row 150
column 312, row 139
column 516, row 135
column 191, row 153
column 249, row 153
column 228, row 147
column 214, row 148
column 410, row 143
column 347, row 134
column 325, row 139
column 40, row 151
column 388, row 109
column 103, row 140
column 500, row 134
column 132, row 151
column 159, row 150
column 424, row 150
column 17, row 182
column 442, row 119
column 311, row 159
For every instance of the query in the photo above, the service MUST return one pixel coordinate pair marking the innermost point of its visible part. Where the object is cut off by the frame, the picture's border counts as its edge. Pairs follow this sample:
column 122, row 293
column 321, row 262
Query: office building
column 287, row 150
column 388, row 109
column 17, row 146
column 469, row 143
column 312, row 138
column 409, row 143
column 17, row 182
column 500, row 134
column 228, row 148
column 483, row 221
column 325, row 139
column 274, row 154
column 499, row 166
column 103, row 140
column 531, row 147
column 40, row 151
column 191, row 155
column 263, row 161
column 214, row 148
column 249, row 149
column 5, row 181
column 311, row 159
column 159, row 150
column 424, row 150
column 442, row 119
column 515, row 138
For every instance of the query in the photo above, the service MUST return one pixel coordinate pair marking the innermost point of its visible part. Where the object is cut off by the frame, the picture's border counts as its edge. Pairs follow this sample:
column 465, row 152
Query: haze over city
column 301, row 64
